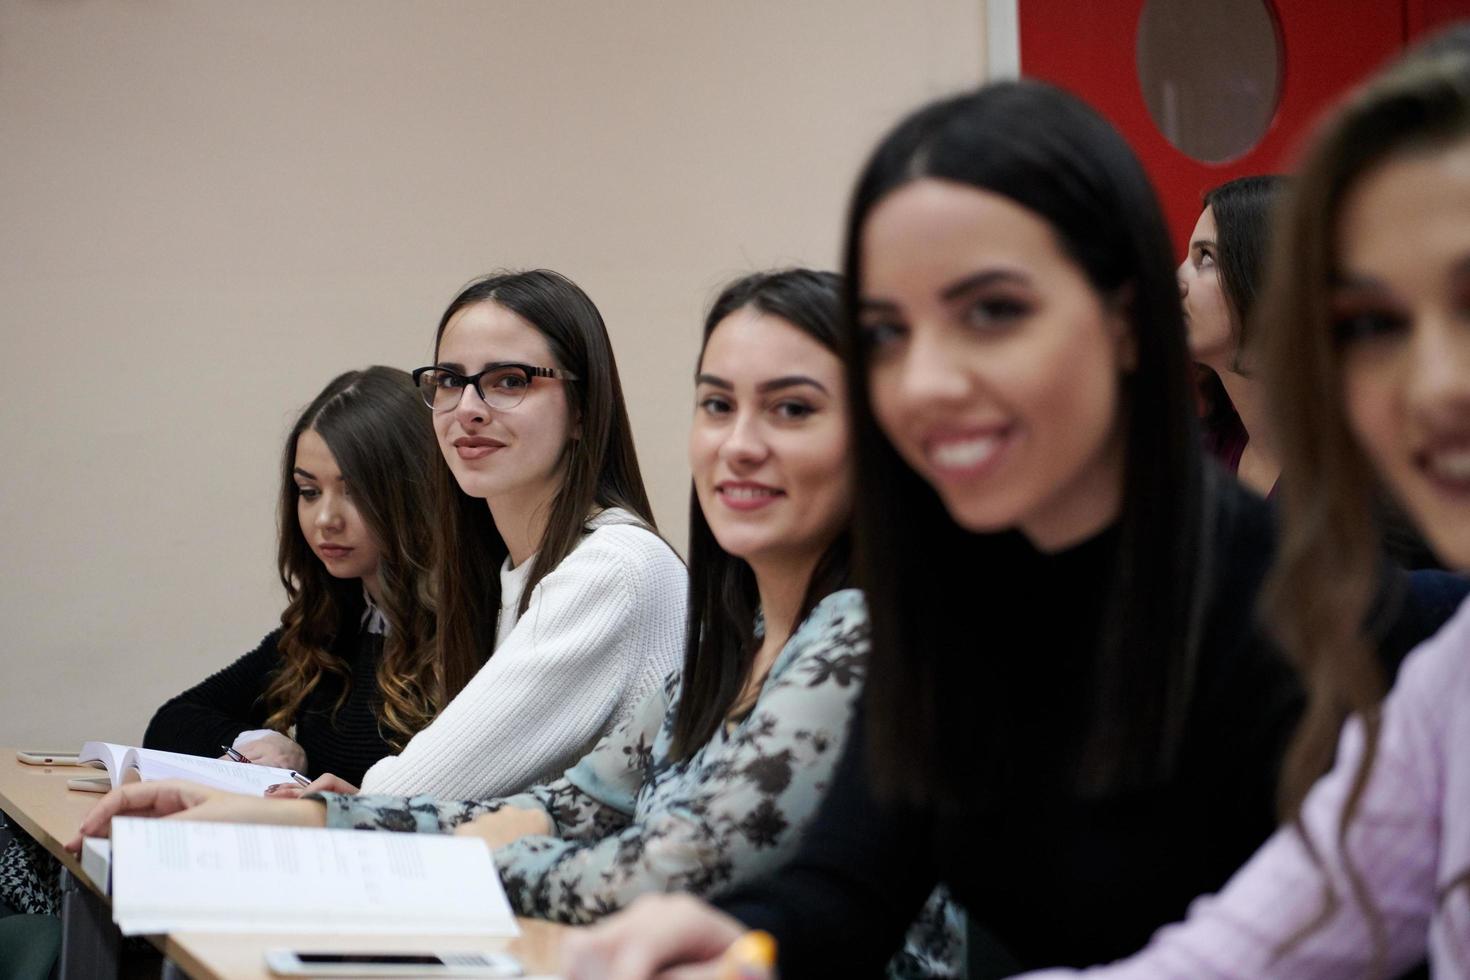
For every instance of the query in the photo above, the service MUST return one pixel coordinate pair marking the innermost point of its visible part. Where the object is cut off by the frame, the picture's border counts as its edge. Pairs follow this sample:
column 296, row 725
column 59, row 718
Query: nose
column 329, row 514
column 1181, row 280
column 471, row 408
column 744, row 444
column 1439, row 371
column 931, row 371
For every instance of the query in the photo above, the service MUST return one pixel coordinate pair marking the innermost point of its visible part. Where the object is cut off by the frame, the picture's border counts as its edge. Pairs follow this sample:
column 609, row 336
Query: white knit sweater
column 602, row 631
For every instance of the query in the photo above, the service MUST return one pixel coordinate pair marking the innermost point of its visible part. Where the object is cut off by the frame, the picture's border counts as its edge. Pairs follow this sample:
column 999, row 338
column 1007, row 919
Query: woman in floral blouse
column 713, row 780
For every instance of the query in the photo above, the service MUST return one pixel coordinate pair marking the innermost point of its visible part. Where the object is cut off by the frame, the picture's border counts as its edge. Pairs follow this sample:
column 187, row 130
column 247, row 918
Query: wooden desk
column 37, row 800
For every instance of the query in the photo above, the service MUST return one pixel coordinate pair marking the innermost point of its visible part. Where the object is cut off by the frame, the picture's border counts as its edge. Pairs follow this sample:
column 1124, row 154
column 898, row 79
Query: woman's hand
column 190, row 801
column 666, row 936
column 325, row 783
column 276, row 750
column 506, row 825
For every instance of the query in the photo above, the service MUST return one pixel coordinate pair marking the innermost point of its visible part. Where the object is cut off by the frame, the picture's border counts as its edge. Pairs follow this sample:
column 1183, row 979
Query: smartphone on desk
column 304, row 963
column 40, row 757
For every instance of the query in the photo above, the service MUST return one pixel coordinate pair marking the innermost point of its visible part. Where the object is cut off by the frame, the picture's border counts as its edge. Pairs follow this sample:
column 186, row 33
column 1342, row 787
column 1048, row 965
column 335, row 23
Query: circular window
column 1211, row 73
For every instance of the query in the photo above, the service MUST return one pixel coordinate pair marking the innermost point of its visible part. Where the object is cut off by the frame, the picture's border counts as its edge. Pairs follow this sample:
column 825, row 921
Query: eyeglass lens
column 500, row 388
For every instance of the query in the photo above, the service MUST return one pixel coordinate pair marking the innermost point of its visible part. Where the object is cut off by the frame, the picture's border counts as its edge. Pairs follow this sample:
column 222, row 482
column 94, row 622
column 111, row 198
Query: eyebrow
column 459, row 368
column 300, row 472
column 1201, row 242
column 1345, row 280
column 956, row 289
column 775, row 384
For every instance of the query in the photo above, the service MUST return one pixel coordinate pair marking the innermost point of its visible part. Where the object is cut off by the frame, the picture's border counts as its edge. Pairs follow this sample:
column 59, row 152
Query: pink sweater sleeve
column 1411, row 835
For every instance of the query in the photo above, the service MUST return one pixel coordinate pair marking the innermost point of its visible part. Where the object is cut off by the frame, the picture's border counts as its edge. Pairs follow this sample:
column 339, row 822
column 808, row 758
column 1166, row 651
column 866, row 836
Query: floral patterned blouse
column 628, row 819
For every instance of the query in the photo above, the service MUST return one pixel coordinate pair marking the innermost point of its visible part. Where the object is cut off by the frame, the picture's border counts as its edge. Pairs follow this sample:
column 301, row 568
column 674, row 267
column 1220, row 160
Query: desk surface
column 38, row 800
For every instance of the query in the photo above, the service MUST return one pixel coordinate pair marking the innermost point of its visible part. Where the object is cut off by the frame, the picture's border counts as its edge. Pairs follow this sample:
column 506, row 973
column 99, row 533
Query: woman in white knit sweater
column 560, row 607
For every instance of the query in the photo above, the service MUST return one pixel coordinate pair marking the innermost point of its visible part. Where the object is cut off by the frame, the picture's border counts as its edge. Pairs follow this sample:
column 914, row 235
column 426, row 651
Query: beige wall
column 208, row 209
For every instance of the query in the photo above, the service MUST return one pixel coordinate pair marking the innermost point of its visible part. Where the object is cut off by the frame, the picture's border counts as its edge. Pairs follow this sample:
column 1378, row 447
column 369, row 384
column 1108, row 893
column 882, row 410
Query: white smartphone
column 313, row 963
column 38, row 757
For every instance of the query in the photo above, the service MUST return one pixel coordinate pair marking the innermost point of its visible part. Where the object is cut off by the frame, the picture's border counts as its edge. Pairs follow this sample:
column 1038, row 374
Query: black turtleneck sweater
column 231, row 701
column 1054, row 878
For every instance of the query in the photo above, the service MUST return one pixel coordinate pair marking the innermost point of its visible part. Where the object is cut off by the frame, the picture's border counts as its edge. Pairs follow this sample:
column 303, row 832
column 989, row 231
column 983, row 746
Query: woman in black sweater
column 350, row 675
column 1072, row 717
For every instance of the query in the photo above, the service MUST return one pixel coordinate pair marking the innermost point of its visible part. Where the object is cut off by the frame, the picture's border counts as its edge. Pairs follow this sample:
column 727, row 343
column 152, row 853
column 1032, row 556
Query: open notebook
column 238, row 777
column 179, row 875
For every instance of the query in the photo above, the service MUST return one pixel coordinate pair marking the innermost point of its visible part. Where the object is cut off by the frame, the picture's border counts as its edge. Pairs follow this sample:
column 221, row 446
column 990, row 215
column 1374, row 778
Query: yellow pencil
column 751, row 957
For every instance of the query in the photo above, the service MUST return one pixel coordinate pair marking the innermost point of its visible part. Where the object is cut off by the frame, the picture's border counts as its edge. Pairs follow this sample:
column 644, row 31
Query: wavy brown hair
column 598, row 469
column 380, row 435
column 1320, row 596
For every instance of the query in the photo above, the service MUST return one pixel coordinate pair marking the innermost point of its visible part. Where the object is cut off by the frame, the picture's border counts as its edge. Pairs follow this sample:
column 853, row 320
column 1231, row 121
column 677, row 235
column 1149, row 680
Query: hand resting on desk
column 190, row 801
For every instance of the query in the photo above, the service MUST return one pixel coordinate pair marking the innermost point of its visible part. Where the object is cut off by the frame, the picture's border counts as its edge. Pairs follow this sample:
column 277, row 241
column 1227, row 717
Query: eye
column 1205, row 259
column 715, row 405
column 508, row 380
column 447, row 380
column 994, row 312
column 1351, row 328
column 792, row 410
column 879, row 334
column 307, row 493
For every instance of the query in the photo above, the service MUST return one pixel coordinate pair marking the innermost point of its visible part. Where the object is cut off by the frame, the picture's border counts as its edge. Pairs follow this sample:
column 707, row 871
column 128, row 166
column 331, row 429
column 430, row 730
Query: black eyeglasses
column 501, row 386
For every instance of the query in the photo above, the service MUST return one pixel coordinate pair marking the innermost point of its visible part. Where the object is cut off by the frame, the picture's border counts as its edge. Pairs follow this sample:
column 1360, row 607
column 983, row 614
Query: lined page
column 175, row 875
column 241, row 777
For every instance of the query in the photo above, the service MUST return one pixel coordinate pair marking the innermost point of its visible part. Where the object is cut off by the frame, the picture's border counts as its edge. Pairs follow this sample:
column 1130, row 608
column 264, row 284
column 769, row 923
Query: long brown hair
column 1319, row 598
column 598, row 469
column 375, row 425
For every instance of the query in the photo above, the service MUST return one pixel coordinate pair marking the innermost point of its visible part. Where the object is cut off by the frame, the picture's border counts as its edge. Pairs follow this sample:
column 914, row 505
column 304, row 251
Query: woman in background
column 352, row 670
column 351, row 673
column 1218, row 282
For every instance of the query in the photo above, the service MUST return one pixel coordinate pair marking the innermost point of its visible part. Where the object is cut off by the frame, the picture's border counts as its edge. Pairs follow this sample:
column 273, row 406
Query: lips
column 333, row 552
column 1448, row 465
column 747, row 494
column 965, row 455
column 476, row 447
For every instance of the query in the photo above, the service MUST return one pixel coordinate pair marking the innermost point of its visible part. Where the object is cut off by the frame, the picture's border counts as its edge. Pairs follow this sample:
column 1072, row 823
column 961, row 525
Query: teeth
column 971, row 452
column 747, row 493
column 1451, row 465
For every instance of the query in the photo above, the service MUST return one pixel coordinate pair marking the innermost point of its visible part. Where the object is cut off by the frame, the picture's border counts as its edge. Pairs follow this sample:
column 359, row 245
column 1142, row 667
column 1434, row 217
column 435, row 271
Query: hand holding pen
column 234, row 754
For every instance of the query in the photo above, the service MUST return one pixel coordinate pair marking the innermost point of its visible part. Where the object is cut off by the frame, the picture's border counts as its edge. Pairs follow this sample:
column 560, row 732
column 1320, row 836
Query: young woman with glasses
column 560, row 607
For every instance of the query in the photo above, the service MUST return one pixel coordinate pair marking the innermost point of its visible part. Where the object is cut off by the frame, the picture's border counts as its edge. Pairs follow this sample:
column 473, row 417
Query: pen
column 751, row 957
column 299, row 779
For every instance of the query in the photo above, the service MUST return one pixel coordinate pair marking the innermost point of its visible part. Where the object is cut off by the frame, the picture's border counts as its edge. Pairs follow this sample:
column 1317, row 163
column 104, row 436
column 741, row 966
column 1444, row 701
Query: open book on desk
column 238, row 777
column 179, row 875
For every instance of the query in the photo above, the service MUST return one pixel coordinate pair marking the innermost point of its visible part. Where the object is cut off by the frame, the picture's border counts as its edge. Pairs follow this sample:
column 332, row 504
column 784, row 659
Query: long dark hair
column 599, row 468
column 1242, row 209
column 1321, row 591
column 375, row 425
column 1049, row 153
column 721, row 644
